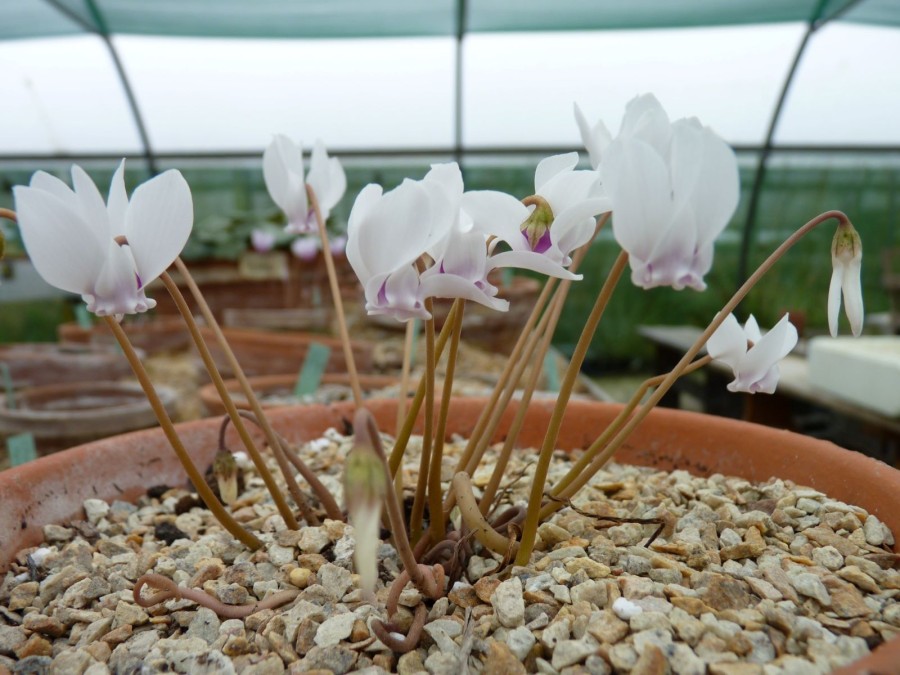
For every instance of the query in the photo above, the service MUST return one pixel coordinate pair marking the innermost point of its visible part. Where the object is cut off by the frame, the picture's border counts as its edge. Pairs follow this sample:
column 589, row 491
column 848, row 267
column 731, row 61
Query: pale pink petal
column 451, row 286
column 529, row 260
column 117, row 203
column 496, row 214
column 728, row 343
column 550, row 167
column 851, row 286
column 90, row 201
column 834, row 299
column 158, row 223
column 64, row 250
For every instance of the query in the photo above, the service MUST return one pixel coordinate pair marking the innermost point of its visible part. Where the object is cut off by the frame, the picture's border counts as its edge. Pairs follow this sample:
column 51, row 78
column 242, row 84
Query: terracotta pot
column 271, row 353
column 282, row 386
column 36, row 363
column 52, row 489
column 62, row 415
column 161, row 334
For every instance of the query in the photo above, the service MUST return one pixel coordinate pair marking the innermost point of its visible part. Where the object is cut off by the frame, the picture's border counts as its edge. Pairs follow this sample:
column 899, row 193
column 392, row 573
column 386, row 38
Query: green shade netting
column 382, row 18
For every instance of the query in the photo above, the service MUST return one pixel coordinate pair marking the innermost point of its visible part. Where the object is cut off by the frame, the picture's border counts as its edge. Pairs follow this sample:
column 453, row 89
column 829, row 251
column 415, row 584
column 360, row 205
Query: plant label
column 21, row 449
column 313, row 367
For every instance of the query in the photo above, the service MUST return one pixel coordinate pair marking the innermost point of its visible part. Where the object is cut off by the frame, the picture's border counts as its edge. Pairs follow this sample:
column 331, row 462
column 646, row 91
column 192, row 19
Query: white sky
column 62, row 95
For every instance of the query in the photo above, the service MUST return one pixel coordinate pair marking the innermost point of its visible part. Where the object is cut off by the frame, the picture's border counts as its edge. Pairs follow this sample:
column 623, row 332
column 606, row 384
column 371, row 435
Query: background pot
column 263, row 352
column 52, row 489
column 37, row 363
column 160, row 334
column 60, row 416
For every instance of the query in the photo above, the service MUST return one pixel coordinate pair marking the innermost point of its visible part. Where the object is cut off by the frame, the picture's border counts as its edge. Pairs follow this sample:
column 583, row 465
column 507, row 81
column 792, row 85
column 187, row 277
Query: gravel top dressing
column 743, row 579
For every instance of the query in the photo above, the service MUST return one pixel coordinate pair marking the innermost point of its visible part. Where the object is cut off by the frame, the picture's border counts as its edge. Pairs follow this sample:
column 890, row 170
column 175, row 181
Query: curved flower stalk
column 73, row 237
column 561, row 220
column 285, row 180
column 755, row 369
column 673, row 188
column 846, row 261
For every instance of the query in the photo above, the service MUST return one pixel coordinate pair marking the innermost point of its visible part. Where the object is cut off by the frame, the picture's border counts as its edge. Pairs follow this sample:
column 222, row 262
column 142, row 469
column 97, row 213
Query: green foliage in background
column 230, row 202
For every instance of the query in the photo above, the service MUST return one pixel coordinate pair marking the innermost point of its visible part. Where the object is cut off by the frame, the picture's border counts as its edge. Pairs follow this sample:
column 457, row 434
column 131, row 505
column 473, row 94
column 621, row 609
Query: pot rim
column 52, row 489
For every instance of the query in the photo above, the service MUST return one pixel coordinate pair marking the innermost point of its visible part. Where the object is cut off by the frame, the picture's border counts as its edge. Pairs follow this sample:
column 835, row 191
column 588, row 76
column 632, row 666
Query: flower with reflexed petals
column 387, row 232
column 846, row 261
column 673, row 189
column 283, row 173
column 755, row 369
column 561, row 220
column 71, row 235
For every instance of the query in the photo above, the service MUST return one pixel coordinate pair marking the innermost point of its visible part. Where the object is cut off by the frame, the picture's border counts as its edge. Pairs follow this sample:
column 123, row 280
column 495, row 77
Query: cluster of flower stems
column 432, row 550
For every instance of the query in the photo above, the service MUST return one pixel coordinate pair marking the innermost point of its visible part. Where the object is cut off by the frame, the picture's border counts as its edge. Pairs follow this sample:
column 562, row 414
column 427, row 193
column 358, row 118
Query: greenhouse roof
column 367, row 18
column 108, row 78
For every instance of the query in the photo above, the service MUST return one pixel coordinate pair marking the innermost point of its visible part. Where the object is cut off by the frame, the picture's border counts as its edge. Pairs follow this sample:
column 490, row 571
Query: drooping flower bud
column 846, row 261
column 225, row 471
column 536, row 229
column 365, row 486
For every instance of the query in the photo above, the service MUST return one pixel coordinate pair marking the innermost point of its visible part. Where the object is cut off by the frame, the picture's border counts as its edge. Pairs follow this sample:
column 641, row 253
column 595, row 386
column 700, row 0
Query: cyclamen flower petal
column 595, row 138
column 386, row 234
column 560, row 219
column 305, row 248
column 755, row 369
column 262, row 240
column 70, row 235
column 846, row 260
column 673, row 189
column 285, row 180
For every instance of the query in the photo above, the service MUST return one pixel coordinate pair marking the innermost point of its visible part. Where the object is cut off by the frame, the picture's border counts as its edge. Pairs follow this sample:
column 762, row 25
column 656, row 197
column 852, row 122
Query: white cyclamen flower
column 262, row 241
column 387, row 232
column 561, row 218
column 755, row 369
column 462, row 258
column 846, row 261
column 673, row 189
column 70, row 235
column 285, row 180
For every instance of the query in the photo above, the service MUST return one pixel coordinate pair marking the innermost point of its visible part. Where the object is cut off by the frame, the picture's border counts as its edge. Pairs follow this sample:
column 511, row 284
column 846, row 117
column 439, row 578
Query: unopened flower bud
column 846, row 261
column 225, row 470
column 365, row 485
column 536, row 229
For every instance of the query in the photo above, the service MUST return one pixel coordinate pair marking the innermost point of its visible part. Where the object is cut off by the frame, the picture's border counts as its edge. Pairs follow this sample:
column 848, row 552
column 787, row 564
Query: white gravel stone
column 508, row 603
column 570, row 652
column 95, row 510
column 520, row 641
column 334, row 629
column 625, row 609
column 808, row 584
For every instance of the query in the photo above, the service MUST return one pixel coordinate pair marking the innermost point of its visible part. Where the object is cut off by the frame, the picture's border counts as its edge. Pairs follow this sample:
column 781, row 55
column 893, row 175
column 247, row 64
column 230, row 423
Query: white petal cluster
column 544, row 240
column 673, row 187
column 70, row 235
column 285, row 180
column 434, row 225
column 755, row 369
